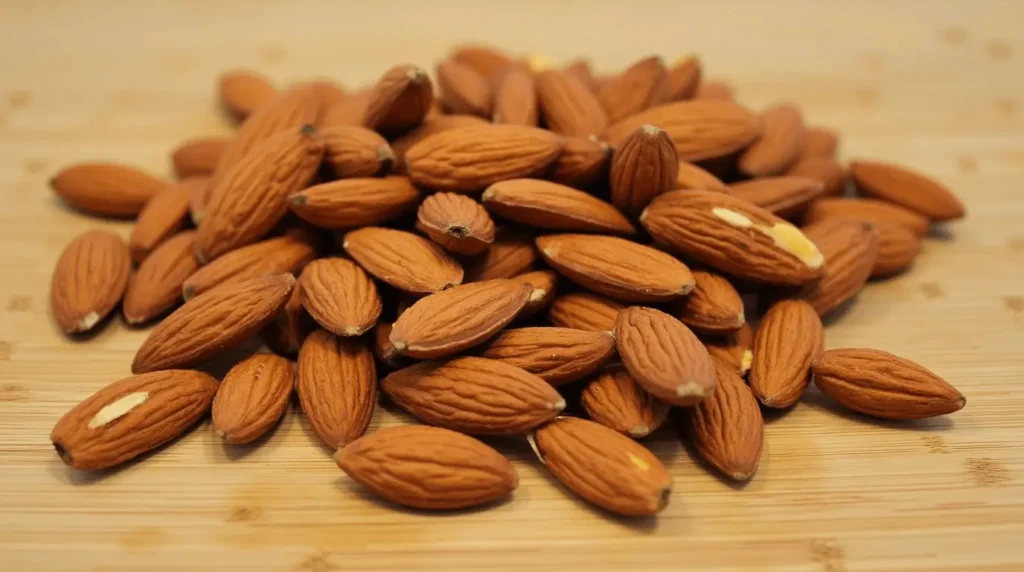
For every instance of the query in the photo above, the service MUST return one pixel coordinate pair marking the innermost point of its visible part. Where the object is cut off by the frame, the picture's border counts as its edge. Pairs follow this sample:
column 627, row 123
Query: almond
column 788, row 338
column 580, row 69
column 616, row 401
column 156, row 286
column 825, row 170
column 883, row 385
column 638, row 87
column 734, row 236
column 780, row 144
column 715, row 90
column 664, row 356
column 868, row 210
column 726, row 429
column 897, row 249
column 644, row 166
column 907, row 189
column 585, row 311
column 399, row 101
column 89, row 280
column 456, row 222
column 352, row 203
column 604, row 467
column 285, row 334
column 428, row 468
column 495, row 152
column 337, row 387
column 198, row 156
column 384, row 349
column 486, row 60
column 734, row 350
column 132, row 416
column 162, row 217
column 713, row 307
column 213, row 323
column 850, row 249
column 350, row 111
column 819, row 142
column 326, row 93
column 457, row 319
column 353, row 151
column 556, row 355
column 106, row 189
column 568, row 106
column 682, row 80
column 515, row 102
column 781, row 196
column 584, row 163
column 283, row 254
column 544, row 284
column 404, row 260
column 510, row 255
column 432, row 125
column 199, row 197
column 252, row 398
column 463, row 89
column 546, row 205
column 339, row 295
column 242, row 92
column 691, row 176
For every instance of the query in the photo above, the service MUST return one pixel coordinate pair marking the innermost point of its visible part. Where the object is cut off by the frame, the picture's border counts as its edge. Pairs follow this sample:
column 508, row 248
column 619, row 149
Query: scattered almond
column 726, row 429
column 89, row 280
column 252, row 398
column 337, row 386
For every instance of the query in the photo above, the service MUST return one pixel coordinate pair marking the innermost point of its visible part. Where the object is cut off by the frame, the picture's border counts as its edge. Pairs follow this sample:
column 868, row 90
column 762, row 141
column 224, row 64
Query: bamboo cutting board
column 934, row 85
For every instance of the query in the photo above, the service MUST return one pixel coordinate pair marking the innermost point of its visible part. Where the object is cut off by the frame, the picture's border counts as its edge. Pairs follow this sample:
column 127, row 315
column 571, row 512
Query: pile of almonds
column 502, row 242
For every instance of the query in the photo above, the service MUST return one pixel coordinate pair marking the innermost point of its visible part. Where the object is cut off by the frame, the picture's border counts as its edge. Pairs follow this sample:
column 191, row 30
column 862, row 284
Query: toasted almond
column 585, row 311
column 691, row 176
column 283, row 254
column 713, row 307
column 243, row 91
column 354, row 151
column 456, row 222
column 907, row 189
column 734, row 350
column 463, row 89
column 106, row 189
column 682, row 80
column 337, row 387
column 198, row 156
column 727, row 429
column 89, row 280
column 781, row 196
column 352, row 203
column 869, row 210
column 788, row 338
column 780, row 144
column 556, row 355
column 616, row 401
column 850, row 249
column 568, row 106
column 399, row 101
column 339, row 295
column 156, row 286
column 546, row 205
column 406, row 261
column 162, row 217
column 515, row 101
column 584, row 163
column 644, row 166
column 252, row 398
column 545, row 287
column 510, row 255
column 638, row 87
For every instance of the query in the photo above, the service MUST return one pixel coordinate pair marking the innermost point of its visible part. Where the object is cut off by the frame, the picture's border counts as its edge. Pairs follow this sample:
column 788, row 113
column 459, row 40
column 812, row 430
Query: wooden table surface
column 935, row 85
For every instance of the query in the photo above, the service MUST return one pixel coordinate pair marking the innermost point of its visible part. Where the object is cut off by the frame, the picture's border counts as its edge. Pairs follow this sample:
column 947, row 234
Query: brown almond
column 682, row 80
column 156, row 287
column 327, row 94
column 353, row 151
column 198, row 156
column 349, row 111
column 897, row 249
column 581, row 70
column 486, row 60
column 456, row 222
column 556, row 355
column 781, row 196
column 547, row 205
column 339, row 295
column 583, row 164
column 162, row 217
column 432, row 125
column 384, row 349
column 788, row 339
column 462, row 89
column 399, row 101
column 780, row 144
column 568, row 106
column 337, row 387
column 199, row 197
column 616, row 401
column 106, row 189
column 585, row 311
column 90, row 277
column 825, row 170
column 515, row 102
column 691, row 176
column 404, row 260
column 874, row 211
column 727, row 429
column 242, row 92
column 285, row 334
column 907, row 189
column 510, row 255
column 850, row 249
column 734, row 350
column 545, row 286
column 280, row 255
column 352, row 203
column 819, row 142
column 638, row 87
column 252, row 398
column 713, row 307
column 715, row 90
column 644, row 166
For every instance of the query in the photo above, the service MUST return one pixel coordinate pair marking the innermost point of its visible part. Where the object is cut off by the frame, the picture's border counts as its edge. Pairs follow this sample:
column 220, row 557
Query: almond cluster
column 499, row 250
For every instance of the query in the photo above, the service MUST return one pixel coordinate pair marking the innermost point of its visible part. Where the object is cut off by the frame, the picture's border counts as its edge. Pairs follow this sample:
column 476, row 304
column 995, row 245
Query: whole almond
column 691, row 176
column 384, row 349
column 352, row 203
column 252, row 397
column 584, row 163
column 279, row 255
column 213, row 323
column 604, row 467
column 727, row 429
column 339, row 295
column 638, row 87
column 404, row 260
column 788, row 338
column 456, row 222
column 682, row 80
column 457, row 319
column 734, row 236
column 162, row 217
column 713, row 307
column 428, row 468
column 463, row 89
column 825, row 170
column 337, row 386
column 198, row 156
column 734, row 350
column 432, row 125
column 781, row 196
column 544, row 284
column 568, row 106
column 585, row 311
column 616, row 401
column 644, row 166
column 897, row 249
column 486, row 60
column 132, row 416
column 90, row 277
column 242, row 92
column 156, row 286
column 819, row 142
column 875, row 211
column 510, row 255
column 399, row 101
column 353, row 151
column 907, row 189
column 715, row 90
column 850, row 249
column 556, row 355
column 883, row 385
column 780, row 144
column 547, row 205
column 106, row 189
column 515, row 102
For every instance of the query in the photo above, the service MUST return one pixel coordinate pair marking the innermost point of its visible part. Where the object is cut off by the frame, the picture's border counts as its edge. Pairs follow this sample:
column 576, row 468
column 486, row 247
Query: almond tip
column 639, row 431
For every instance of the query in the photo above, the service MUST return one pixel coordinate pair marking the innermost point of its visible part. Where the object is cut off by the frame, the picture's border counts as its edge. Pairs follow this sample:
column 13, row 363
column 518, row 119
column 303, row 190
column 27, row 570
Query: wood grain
column 935, row 86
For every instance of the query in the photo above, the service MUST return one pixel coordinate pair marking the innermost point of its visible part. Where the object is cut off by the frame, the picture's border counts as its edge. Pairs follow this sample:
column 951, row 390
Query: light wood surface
column 936, row 85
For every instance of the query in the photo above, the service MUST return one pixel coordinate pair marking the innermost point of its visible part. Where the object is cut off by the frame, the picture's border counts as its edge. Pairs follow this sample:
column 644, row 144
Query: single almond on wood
column 156, row 286
column 285, row 334
column 584, row 163
column 875, row 211
column 456, row 222
column 198, row 156
column 897, row 249
column 432, row 125
column 568, row 106
column 547, row 205
column 780, row 144
column 788, row 338
column 735, row 349
column 727, row 429
column 682, row 80
column 850, row 249
column 510, row 255
column 691, row 176
column 162, row 217
column 463, row 89
column 90, row 277
column 337, row 386
column 544, row 284
column 353, row 151
column 907, row 189
column 289, row 254
column 638, row 87
column 713, row 307
column 644, row 166
column 616, row 401
column 106, row 189
column 404, row 260
column 515, row 102
column 556, row 355
column 352, row 203
column 252, row 398
column 585, row 311
column 242, row 92
column 781, row 196
column 339, row 295
column 399, row 101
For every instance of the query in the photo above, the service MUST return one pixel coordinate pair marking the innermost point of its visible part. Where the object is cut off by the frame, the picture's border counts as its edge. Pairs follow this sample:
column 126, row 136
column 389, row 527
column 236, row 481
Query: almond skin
column 349, row 111
column 404, row 260
column 352, row 203
column 733, row 349
column 581, row 70
column 510, row 255
column 819, row 142
column 544, row 284
column 616, row 267
column 604, row 467
column 788, row 339
column 883, row 385
column 585, row 311
column 457, row 319
column 242, row 92
column 556, row 355
column 428, row 468
column 897, row 249
column 89, row 280
column 616, row 401
column 638, row 87
column 474, row 395
column 713, row 307
column 583, row 164
column 691, row 176
column 285, row 334
column 198, row 156
column 486, row 60
column 515, row 102
column 874, row 211
column 106, row 189
column 339, row 295
column 353, row 151
column 825, row 170
column 644, row 166
column 431, row 125
column 727, row 429
column 162, row 217
column 156, row 287
column 463, row 89
column 568, row 106
column 213, row 323
column 682, row 80
column 546, row 205
column 252, row 398
column 907, row 189
column 337, row 387
column 399, row 101
column 850, row 249
column 456, row 222
column 780, row 144
column 781, row 196
column 132, row 416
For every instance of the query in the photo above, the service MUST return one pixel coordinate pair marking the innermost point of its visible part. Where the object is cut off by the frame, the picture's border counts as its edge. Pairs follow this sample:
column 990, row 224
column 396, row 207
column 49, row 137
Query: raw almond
column 874, row 211
column 691, row 176
column 339, row 295
column 604, row 467
column 252, row 398
column 825, row 170
column 713, row 307
column 432, row 125
column 616, row 401
column 285, row 334
column 780, row 144
column 734, row 349
column 337, row 387
column 556, row 355
column 585, row 311
column 907, row 189
column 788, row 338
column 897, row 249
column 883, row 385
column 353, row 151
column 515, row 102
column 326, row 93
column 198, row 156
column 819, row 142
column 404, row 260
column 132, row 416
column 584, row 163
column 384, row 349
column 279, row 255
column 156, row 286
column 106, row 189
column 568, row 106
column 715, row 90
column 545, row 286
column 644, row 166
column 682, row 80
column 727, row 429
column 638, row 87
column 213, row 323
column 781, row 196
column 399, row 101
column 162, row 217
column 352, row 203
column 242, row 92
column 850, row 249
column 89, row 280
column 509, row 255
column 547, row 205
column 456, row 222
column 463, row 89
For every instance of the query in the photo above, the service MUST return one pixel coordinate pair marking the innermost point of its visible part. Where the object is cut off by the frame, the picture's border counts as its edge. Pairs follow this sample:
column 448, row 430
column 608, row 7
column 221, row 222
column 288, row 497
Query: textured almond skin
column 727, row 429
column 788, row 338
column 509, row 255
column 644, row 166
column 547, row 205
column 819, row 142
column 431, row 125
column 337, row 386
column 515, row 102
column 584, row 311
column 457, row 319
column 604, row 467
column 874, row 211
column 616, row 401
column 428, row 468
column 462, row 89
column 279, row 255
column 733, row 349
column 339, row 295
column 568, row 106
column 173, row 401
column 734, row 236
column 897, row 249
column 352, row 203
column 406, row 261
column 715, row 90
column 399, row 101
column 252, row 398
column 213, row 323
column 682, row 80
column 162, row 217
column 850, row 249
column 253, row 196
column 825, row 170
column 544, row 284
column 556, row 355
column 156, row 286
column 198, row 156
column 584, row 163
column 353, row 151
column 471, row 158
column 700, row 129
column 616, row 267
column 90, row 277
column 638, row 87
column 907, row 189
column 664, row 356
column 691, row 176
column 242, row 92
column 780, row 144
column 883, row 385
column 106, row 189
column 781, row 196
column 474, row 395
column 456, row 222
column 290, row 326
column 713, row 307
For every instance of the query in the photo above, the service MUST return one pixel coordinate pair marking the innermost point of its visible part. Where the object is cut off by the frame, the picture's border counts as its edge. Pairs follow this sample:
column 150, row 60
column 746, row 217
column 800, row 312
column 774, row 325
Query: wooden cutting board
column 934, row 85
